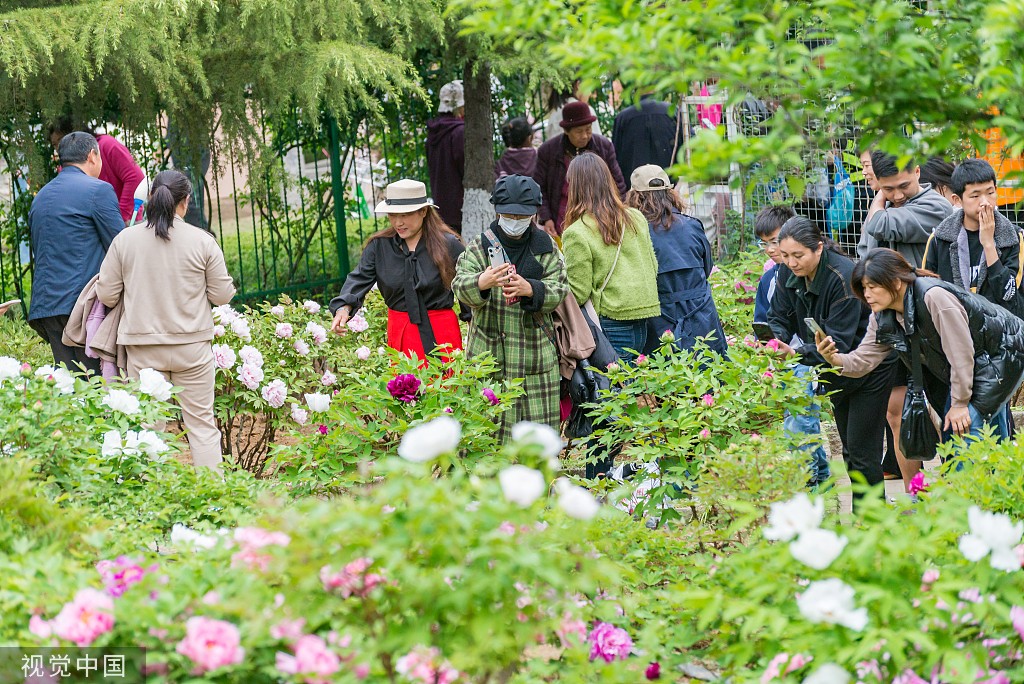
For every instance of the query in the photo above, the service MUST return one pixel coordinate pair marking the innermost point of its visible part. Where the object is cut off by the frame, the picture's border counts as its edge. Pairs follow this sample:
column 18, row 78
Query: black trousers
column 859, row 406
column 51, row 329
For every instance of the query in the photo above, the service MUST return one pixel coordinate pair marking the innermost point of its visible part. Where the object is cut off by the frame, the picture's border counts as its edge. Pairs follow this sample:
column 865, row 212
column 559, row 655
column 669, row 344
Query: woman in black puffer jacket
column 972, row 351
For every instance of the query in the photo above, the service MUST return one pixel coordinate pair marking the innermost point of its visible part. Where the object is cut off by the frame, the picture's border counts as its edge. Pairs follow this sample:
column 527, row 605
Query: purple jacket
column 516, row 161
column 446, row 162
column 551, row 166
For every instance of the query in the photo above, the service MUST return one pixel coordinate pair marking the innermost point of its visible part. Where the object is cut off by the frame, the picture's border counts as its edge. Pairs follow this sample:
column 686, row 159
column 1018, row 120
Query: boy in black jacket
column 976, row 247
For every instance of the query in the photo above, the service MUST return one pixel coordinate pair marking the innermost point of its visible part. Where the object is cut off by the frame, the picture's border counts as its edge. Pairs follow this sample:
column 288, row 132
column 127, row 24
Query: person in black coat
column 815, row 282
column 645, row 134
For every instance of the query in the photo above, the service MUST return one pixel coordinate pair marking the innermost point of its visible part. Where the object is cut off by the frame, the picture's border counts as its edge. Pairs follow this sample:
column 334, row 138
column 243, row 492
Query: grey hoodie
column 906, row 229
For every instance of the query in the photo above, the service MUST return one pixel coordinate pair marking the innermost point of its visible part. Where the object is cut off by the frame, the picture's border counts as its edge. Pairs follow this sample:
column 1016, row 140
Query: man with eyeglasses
column 767, row 225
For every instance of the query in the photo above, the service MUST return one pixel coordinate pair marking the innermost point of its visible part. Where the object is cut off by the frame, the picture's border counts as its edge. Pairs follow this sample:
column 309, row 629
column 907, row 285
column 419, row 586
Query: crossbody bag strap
column 915, row 363
column 618, row 251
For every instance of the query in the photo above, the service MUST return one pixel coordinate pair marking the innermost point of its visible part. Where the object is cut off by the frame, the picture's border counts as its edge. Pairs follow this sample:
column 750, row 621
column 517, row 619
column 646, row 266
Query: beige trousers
column 190, row 367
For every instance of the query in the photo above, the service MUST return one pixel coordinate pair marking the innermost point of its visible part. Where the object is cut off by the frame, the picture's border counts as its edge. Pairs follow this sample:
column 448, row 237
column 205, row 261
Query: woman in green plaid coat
column 512, row 297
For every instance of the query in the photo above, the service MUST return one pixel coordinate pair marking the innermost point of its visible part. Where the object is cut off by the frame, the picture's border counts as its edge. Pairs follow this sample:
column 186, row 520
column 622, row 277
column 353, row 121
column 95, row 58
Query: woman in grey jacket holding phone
column 814, row 282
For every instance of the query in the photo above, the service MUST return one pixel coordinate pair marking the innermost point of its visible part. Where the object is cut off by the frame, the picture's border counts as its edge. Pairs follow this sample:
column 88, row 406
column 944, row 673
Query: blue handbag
column 840, row 208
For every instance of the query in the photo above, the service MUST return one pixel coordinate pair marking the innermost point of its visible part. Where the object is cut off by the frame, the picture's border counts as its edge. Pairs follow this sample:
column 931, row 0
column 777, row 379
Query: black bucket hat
column 516, row 195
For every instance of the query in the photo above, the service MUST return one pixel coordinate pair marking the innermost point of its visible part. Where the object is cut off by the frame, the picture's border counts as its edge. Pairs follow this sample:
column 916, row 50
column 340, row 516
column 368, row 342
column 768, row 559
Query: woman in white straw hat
column 413, row 264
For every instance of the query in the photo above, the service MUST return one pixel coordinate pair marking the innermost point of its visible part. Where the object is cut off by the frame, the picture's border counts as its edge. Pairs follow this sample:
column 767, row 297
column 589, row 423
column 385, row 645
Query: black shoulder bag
column 918, row 437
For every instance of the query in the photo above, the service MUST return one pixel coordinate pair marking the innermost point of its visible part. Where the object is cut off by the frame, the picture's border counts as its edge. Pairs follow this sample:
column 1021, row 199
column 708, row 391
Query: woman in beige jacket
column 168, row 273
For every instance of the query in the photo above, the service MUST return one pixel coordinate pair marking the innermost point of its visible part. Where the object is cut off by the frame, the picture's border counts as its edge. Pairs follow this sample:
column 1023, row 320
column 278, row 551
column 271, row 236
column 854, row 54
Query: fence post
column 338, row 192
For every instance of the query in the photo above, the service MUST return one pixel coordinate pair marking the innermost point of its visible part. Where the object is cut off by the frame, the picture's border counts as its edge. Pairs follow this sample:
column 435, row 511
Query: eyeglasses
column 765, row 245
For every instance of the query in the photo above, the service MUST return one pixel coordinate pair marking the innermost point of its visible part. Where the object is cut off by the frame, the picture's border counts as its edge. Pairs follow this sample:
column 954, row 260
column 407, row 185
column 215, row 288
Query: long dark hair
column 167, row 192
column 886, row 268
column 592, row 191
column 435, row 237
column 656, row 205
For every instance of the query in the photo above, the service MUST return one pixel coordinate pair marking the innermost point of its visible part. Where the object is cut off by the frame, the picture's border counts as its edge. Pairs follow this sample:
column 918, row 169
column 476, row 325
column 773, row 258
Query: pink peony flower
column 357, row 323
column 641, row 360
column 223, row 356
column 361, row 671
column 301, row 348
column 918, row 483
column 277, row 310
column 251, row 355
column 284, row 330
column 653, row 671
column 317, row 332
column 1017, row 619
column 422, row 665
column 328, row 378
column 404, row 387
column 775, row 666
column 287, row 630
column 768, row 375
column 312, row 657
column 211, row 644
column 275, row 393
column 121, row 573
column 299, row 414
column 571, row 632
column 612, row 367
column 668, row 336
column 40, row 627
column 251, row 376
column 311, row 306
column 705, row 434
column 774, row 345
column 490, row 396
column 352, row 580
column 708, row 399
column 86, row 617
column 252, row 540
column 609, row 643
column 363, row 353
column 930, row 576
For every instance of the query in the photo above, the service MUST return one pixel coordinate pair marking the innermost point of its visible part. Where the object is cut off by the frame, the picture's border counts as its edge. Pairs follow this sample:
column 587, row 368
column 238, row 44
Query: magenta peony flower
column 609, row 643
column 653, row 671
column 768, row 375
column 275, row 392
column 211, row 644
column 312, row 657
column 322, row 429
column 404, row 387
column 708, row 399
column 490, row 396
column 917, row 483
column 81, row 621
column 284, row 330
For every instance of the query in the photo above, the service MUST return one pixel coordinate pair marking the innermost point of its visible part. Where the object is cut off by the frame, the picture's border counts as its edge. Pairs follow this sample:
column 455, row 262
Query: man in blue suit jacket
column 72, row 222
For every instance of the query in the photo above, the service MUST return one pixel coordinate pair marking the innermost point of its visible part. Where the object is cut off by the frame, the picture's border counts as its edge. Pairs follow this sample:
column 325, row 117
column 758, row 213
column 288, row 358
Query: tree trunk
column 477, row 211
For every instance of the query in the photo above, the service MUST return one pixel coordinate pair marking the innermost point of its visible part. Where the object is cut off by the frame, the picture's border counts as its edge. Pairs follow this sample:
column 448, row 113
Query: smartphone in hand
column 763, row 331
column 813, row 327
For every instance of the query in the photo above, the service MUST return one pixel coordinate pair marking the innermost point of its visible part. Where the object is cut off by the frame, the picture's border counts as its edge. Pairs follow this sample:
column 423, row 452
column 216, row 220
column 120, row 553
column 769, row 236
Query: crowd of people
column 578, row 265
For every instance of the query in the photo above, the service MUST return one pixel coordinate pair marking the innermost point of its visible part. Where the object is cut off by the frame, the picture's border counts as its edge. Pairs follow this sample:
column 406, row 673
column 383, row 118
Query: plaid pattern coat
column 512, row 334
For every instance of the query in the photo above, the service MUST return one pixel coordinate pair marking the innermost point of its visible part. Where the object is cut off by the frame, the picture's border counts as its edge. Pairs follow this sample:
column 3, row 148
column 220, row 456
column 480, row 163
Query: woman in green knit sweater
column 609, row 257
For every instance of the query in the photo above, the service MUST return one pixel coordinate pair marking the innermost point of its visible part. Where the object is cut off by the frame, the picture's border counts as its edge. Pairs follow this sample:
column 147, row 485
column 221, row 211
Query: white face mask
column 514, row 227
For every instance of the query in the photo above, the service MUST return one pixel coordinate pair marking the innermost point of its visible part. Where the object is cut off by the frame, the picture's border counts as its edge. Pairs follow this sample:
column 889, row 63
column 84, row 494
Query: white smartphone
column 813, row 327
column 497, row 256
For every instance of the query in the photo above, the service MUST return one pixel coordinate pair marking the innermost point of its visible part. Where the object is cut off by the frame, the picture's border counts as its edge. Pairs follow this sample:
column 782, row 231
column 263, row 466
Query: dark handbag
column 919, row 439
column 585, row 385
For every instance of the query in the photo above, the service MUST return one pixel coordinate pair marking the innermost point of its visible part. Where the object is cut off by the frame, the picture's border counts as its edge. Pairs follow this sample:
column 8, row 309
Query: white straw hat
column 404, row 197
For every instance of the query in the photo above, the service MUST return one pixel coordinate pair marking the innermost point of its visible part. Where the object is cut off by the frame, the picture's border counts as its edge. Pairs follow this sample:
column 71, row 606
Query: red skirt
column 404, row 335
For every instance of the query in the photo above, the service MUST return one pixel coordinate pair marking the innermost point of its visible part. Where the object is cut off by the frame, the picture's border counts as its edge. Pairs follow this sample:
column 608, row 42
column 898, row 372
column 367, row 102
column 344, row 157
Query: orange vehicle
column 1009, row 169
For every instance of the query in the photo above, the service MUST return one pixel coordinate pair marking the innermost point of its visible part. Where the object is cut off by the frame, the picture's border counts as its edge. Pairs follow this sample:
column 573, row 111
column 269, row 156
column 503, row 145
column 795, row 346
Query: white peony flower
column 184, row 536
column 251, row 376
column 328, row 379
column 363, row 353
column 299, row 414
column 277, row 310
column 64, row 380
column 311, row 306
column 317, row 332
column 44, row 371
column 829, row 673
column 219, row 330
column 144, row 441
column 224, row 314
column 318, row 403
column 831, row 601
column 789, row 518
column 111, row 443
column 240, row 327
column 251, row 355
column 153, row 383
column 120, row 400
column 993, row 533
column 9, row 368
column 576, row 501
column 428, row 441
column 539, row 434
column 224, row 356
column 522, row 485
column 817, row 548
column 301, row 347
